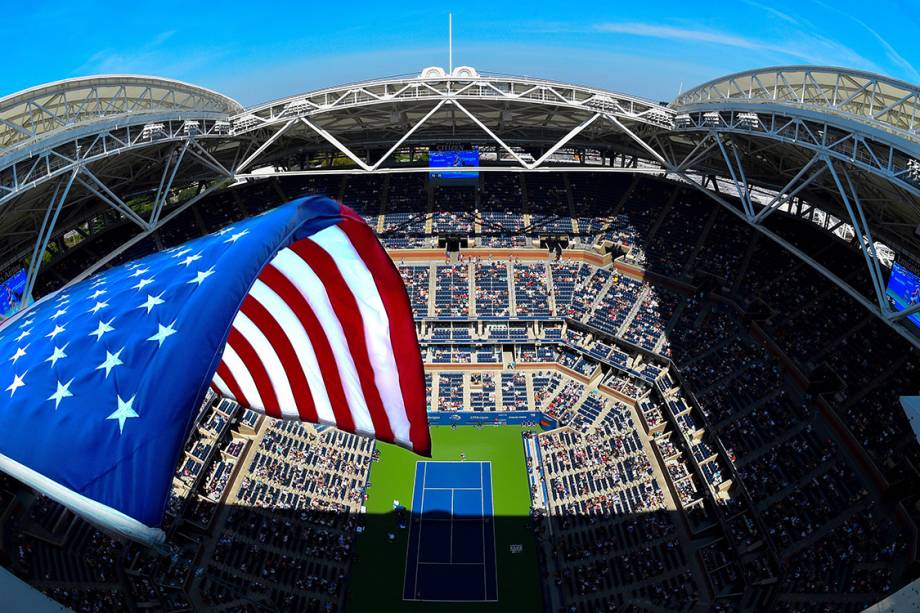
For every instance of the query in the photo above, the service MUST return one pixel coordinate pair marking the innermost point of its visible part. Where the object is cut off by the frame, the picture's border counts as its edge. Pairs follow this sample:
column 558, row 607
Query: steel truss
column 498, row 90
column 815, row 129
column 817, row 143
column 876, row 152
column 820, row 164
column 540, row 163
column 872, row 99
column 67, row 145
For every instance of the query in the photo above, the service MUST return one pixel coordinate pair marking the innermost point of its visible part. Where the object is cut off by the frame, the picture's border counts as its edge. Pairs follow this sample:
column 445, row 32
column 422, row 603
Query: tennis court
column 451, row 551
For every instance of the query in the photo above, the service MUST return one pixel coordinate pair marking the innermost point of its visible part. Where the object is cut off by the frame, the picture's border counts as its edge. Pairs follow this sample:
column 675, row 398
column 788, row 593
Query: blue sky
column 256, row 51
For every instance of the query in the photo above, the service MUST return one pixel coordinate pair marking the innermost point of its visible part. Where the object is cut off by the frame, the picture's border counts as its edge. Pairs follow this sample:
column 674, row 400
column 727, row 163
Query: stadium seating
column 725, row 427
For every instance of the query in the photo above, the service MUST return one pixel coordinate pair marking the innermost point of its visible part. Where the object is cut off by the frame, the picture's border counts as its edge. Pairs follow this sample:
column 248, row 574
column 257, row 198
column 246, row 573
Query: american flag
column 298, row 313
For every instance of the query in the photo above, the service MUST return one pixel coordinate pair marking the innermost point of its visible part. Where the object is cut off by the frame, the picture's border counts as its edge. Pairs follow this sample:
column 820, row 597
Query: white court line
column 450, row 564
column 421, row 524
column 409, row 541
column 494, row 537
column 482, row 512
column 480, row 519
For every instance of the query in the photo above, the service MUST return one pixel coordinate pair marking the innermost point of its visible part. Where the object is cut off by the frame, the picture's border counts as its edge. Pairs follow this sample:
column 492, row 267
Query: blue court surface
column 451, row 553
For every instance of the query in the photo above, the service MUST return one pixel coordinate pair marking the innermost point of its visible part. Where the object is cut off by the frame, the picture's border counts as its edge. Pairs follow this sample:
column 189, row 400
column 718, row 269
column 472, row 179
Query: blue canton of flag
column 99, row 382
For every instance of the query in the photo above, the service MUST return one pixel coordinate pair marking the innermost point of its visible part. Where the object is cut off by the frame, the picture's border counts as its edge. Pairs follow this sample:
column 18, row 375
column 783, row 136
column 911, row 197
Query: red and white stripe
column 326, row 335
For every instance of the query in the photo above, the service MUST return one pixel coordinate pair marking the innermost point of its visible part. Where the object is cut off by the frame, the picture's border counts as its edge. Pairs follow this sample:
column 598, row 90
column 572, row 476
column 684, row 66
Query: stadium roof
column 881, row 102
column 65, row 105
column 795, row 139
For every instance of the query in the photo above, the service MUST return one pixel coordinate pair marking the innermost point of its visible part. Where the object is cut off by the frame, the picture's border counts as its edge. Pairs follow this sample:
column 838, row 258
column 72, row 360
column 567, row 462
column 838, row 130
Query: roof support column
column 107, row 196
column 891, row 321
column 697, row 154
column 411, row 131
column 336, row 143
column 491, row 134
column 784, row 195
column 562, row 141
column 744, row 193
column 163, row 190
column 898, row 315
column 638, row 140
column 51, row 217
column 264, row 146
column 175, row 212
column 863, row 234
column 207, row 159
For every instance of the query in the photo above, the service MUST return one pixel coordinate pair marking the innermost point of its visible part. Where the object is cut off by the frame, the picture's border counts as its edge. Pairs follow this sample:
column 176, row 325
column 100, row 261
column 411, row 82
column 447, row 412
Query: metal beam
column 107, row 196
column 650, row 170
column 335, row 143
column 880, row 278
column 491, row 134
column 638, row 140
column 896, row 315
column 743, row 194
column 264, row 146
column 784, row 195
column 562, row 141
column 54, row 210
column 692, row 157
column 862, row 236
column 139, row 237
column 865, row 302
column 163, row 191
column 411, row 131
column 207, row 159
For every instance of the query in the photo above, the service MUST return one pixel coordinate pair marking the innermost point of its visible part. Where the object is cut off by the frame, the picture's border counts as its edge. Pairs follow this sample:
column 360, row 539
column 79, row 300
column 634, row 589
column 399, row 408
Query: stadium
column 665, row 343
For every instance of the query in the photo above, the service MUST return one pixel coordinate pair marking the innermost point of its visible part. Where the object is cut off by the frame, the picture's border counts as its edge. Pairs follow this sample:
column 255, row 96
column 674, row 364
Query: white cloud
column 150, row 58
column 890, row 52
column 895, row 57
column 776, row 13
column 797, row 44
column 673, row 33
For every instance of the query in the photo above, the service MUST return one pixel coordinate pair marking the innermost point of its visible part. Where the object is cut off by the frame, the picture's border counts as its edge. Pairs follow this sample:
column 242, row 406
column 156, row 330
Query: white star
column 235, row 237
column 139, row 272
column 225, row 230
column 163, row 333
column 24, row 334
column 152, row 301
column 143, row 283
column 190, row 259
column 102, row 329
column 99, row 306
column 57, row 355
column 17, row 383
column 201, row 276
column 111, row 361
column 98, row 293
column 62, row 392
column 21, row 351
column 62, row 299
column 27, row 323
column 59, row 313
column 180, row 252
column 124, row 412
column 57, row 330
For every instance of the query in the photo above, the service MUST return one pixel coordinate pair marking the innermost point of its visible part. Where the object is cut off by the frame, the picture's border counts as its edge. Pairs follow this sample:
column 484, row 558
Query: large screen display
column 11, row 293
column 453, row 159
column 904, row 290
